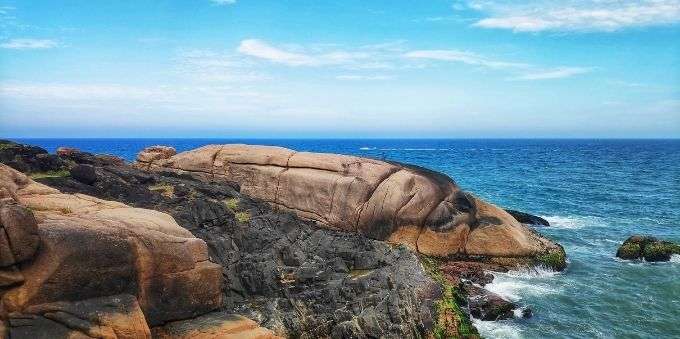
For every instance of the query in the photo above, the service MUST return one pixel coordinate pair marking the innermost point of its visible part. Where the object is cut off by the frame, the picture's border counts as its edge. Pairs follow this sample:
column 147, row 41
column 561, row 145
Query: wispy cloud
column 575, row 15
column 29, row 44
column 463, row 57
column 557, row 73
column 211, row 66
column 223, row 2
column 363, row 77
column 263, row 50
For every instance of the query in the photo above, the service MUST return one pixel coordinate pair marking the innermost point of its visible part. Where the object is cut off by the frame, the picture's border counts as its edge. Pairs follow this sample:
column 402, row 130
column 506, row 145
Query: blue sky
column 247, row 68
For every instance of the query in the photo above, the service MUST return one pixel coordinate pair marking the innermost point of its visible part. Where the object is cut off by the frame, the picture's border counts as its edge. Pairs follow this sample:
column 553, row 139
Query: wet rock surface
column 648, row 248
column 528, row 219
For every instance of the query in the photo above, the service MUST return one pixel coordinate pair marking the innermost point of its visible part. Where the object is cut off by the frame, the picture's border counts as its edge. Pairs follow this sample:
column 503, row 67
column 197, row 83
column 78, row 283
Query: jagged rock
column 213, row 325
column 93, row 248
column 529, row 219
column 649, row 248
column 398, row 203
column 487, row 305
column 29, row 159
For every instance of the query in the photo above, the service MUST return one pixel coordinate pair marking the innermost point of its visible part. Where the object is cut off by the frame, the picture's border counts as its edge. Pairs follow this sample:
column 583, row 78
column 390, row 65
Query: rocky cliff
column 397, row 203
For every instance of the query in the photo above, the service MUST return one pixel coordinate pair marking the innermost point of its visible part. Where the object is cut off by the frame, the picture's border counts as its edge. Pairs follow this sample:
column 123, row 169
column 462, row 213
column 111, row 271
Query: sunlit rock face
column 389, row 201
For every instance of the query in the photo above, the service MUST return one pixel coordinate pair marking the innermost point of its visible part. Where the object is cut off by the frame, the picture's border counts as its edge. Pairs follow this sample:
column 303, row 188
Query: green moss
column 451, row 320
column 660, row 251
column 242, row 217
column 232, row 203
column 629, row 251
column 166, row 190
column 50, row 174
column 6, row 145
column 556, row 260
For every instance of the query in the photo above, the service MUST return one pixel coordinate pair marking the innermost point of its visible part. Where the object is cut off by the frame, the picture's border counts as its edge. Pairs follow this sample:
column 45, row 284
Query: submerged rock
column 527, row 218
column 648, row 248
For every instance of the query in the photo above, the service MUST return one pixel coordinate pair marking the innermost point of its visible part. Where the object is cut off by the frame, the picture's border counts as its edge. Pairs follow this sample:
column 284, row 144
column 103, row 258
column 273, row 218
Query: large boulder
column 59, row 248
column 388, row 201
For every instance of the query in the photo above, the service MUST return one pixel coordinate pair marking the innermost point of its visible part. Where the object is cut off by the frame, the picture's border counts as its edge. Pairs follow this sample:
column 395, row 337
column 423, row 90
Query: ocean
column 595, row 193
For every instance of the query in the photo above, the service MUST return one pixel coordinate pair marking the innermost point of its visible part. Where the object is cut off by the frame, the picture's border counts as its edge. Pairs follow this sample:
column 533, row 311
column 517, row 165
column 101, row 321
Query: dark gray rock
column 527, row 218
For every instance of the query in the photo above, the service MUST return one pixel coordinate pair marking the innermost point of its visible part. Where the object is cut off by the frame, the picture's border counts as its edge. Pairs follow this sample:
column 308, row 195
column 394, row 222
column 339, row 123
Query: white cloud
column 223, row 2
column 263, row 50
column 462, row 56
column 207, row 65
column 363, row 77
column 29, row 44
column 557, row 73
column 575, row 15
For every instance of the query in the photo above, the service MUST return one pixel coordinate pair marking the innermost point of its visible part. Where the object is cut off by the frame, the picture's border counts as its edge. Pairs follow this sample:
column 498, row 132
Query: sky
column 327, row 69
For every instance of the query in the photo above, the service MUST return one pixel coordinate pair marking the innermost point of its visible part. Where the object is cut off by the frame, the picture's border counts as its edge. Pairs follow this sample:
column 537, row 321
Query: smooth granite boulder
column 398, row 203
column 66, row 251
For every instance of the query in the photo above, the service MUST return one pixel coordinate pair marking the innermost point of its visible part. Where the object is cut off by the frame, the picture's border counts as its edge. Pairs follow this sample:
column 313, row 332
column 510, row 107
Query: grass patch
column 242, row 217
column 6, row 145
column 232, row 203
column 451, row 320
column 50, row 174
column 166, row 190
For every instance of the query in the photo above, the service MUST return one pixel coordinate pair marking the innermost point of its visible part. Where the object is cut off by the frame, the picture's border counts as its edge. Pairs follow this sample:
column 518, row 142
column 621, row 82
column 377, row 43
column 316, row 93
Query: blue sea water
column 595, row 193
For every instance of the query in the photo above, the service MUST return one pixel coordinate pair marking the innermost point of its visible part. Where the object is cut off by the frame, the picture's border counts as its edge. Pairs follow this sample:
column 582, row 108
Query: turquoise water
column 595, row 193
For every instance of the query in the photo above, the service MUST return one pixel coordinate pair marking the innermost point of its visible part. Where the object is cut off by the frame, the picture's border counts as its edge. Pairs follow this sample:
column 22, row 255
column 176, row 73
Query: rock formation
column 72, row 265
column 403, row 204
column 649, row 248
column 526, row 218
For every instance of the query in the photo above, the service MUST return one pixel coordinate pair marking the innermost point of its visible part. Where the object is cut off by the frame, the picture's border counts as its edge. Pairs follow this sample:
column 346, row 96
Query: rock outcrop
column 526, row 218
column 403, row 204
column 285, row 273
column 648, row 248
column 73, row 265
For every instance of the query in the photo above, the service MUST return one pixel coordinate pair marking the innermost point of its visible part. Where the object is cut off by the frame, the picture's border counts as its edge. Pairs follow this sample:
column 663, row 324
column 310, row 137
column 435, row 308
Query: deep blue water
column 595, row 193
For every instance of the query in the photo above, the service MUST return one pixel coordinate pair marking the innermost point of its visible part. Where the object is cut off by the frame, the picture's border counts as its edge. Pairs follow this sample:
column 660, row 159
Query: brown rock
column 93, row 248
column 388, row 201
column 155, row 153
column 18, row 234
column 212, row 326
column 115, row 317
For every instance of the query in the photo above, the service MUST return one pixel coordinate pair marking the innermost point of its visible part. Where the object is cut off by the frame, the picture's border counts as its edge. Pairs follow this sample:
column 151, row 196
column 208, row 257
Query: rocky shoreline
column 280, row 272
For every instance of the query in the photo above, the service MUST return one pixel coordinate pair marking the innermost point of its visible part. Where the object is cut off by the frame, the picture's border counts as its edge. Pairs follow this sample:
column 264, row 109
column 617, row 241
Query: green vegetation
column 660, row 251
column 451, row 321
column 166, row 190
column 5, row 145
column 242, row 217
column 556, row 260
column 232, row 203
column 50, row 174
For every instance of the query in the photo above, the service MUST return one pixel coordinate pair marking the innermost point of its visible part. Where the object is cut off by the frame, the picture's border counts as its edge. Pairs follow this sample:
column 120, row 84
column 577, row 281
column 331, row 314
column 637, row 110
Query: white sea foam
column 517, row 284
column 497, row 329
column 675, row 258
column 572, row 222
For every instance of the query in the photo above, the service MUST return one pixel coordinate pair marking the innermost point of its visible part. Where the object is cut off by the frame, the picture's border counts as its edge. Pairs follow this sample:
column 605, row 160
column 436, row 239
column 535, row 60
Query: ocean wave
column 367, row 148
column 402, row 149
column 572, row 222
column 516, row 284
column 497, row 329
